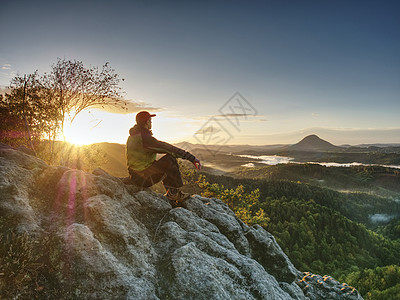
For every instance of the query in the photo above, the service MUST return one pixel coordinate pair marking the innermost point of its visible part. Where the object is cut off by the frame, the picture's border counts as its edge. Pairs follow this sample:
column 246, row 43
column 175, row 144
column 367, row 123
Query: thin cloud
column 234, row 115
column 259, row 118
column 6, row 67
column 208, row 130
column 128, row 107
column 136, row 106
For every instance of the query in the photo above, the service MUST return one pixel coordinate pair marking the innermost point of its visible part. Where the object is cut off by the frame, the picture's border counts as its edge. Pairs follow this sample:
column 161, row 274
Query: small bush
column 24, row 269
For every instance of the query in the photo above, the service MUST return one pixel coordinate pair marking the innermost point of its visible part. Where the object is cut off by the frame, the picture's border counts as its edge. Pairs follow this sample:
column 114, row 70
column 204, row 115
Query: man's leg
column 165, row 169
column 168, row 165
column 173, row 180
column 143, row 179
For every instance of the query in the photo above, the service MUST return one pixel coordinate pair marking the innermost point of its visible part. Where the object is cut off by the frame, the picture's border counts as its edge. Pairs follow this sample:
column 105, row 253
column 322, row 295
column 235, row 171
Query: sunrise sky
column 300, row 67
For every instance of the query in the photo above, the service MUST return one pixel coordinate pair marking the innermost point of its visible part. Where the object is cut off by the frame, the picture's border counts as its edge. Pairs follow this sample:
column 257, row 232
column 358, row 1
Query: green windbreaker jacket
column 142, row 147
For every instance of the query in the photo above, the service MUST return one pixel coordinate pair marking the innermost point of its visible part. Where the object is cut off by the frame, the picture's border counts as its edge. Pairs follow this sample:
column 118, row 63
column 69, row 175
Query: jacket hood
column 137, row 128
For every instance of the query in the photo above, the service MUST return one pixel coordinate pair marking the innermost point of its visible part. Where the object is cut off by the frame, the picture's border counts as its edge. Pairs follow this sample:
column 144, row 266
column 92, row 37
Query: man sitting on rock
column 145, row 170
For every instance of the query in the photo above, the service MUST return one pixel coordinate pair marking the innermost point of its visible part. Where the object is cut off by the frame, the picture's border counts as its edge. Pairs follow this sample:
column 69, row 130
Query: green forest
column 320, row 218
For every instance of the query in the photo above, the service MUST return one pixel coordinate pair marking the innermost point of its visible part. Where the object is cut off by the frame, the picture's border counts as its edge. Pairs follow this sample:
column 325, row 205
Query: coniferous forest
column 322, row 218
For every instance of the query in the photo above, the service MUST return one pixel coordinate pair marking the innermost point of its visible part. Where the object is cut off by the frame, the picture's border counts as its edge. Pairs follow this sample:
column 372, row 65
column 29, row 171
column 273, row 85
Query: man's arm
column 154, row 145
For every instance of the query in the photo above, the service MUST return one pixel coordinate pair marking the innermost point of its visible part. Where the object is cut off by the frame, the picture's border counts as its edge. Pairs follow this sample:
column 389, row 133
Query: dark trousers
column 165, row 169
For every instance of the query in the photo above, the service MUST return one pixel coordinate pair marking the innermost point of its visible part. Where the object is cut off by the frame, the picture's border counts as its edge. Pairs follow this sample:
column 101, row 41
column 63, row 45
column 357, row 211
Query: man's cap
column 143, row 116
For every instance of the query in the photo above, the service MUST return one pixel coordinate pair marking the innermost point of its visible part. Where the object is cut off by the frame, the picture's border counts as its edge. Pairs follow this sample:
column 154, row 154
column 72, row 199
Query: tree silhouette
column 73, row 87
column 38, row 106
column 28, row 115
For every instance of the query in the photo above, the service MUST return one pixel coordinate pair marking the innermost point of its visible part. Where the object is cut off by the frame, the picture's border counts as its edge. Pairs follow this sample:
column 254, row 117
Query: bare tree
column 74, row 87
column 38, row 106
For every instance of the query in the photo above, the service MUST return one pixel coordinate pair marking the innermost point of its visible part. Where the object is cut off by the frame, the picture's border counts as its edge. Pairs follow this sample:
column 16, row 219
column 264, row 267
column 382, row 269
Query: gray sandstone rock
column 265, row 250
column 325, row 287
column 110, row 240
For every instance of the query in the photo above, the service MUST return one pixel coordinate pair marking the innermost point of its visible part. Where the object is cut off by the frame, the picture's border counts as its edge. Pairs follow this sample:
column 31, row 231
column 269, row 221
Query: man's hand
column 197, row 164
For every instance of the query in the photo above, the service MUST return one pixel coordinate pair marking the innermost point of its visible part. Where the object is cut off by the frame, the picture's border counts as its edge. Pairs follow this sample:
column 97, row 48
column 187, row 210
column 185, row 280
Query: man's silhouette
column 145, row 170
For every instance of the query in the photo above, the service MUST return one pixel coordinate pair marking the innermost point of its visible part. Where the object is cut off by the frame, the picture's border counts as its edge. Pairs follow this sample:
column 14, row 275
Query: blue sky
column 325, row 67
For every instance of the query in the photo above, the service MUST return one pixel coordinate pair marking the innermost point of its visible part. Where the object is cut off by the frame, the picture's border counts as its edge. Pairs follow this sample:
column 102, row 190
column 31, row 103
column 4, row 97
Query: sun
column 97, row 126
column 82, row 131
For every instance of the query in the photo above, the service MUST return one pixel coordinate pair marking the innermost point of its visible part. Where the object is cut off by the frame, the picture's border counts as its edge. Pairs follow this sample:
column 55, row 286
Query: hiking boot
column 177, row 199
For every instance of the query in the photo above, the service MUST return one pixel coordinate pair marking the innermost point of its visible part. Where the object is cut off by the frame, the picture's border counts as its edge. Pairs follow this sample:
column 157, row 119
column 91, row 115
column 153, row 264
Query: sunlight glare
column 99, row 126
column 80, row 131
column 96, row 126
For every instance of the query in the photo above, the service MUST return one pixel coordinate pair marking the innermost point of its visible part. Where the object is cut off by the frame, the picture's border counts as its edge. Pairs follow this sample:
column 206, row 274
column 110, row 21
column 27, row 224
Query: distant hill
column 310, row 149
column 237, row 149
column 313, row 143
column 114, row 161
column 378, row 145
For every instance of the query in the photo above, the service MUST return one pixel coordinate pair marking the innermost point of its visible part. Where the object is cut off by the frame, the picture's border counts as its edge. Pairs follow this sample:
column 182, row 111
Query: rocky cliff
column 90, row 236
